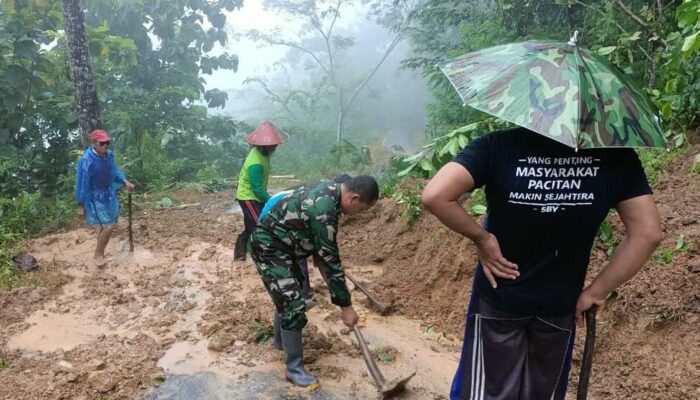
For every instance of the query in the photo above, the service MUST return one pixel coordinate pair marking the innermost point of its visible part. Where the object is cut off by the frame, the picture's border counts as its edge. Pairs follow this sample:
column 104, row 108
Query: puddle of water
column 52, row 331
column 255, row 386
column 188, row 358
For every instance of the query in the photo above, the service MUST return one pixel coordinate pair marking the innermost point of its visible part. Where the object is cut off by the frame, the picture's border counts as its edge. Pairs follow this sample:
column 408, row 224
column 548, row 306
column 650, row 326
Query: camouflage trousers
column 282, row 278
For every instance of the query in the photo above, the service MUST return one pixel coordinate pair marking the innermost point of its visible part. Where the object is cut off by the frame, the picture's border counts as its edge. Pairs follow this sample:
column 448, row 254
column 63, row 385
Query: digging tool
column 131, row 232
column 383, row 308
column 588, row 351
column 393, row 387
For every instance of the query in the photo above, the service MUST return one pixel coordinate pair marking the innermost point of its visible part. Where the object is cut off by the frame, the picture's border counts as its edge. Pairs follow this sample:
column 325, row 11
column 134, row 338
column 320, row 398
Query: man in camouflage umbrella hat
column 301, row 224
column 546, row 200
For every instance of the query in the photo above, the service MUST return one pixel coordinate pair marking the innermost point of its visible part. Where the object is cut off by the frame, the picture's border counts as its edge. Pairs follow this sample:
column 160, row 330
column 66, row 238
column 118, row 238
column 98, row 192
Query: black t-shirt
column 546, row 202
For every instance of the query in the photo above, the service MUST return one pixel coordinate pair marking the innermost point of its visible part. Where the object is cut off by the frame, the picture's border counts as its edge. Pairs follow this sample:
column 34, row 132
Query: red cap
column 98, row 135
column 265, row 135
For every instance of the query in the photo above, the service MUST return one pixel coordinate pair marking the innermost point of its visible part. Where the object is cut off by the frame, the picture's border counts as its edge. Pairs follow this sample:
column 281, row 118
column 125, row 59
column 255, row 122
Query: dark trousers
column 513, row 357
column 251, row 213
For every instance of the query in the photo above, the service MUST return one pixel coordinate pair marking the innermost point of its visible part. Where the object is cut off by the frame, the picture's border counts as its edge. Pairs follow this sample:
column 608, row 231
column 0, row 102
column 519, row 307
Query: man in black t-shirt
column 545, row 202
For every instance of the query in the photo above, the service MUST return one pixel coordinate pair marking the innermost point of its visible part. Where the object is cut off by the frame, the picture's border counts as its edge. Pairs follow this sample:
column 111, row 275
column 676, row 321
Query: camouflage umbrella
column 559, row 90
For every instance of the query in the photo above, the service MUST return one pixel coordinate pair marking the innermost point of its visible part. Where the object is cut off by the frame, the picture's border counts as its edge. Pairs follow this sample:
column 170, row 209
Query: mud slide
column 177, row 319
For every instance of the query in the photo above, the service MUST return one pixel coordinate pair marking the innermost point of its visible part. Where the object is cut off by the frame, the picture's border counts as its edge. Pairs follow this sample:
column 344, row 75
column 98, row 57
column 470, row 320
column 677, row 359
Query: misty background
column 389, row 112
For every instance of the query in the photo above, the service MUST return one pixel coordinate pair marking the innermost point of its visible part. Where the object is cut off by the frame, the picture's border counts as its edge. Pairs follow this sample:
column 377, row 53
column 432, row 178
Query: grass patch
column 655, row 162
column 259, row 332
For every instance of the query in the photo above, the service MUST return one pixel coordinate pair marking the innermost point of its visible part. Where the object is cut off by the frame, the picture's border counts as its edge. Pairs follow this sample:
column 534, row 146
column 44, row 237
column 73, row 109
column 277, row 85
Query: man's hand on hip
column 495, row 265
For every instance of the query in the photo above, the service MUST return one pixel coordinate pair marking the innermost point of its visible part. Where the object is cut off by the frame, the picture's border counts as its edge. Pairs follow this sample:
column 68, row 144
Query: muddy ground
column 177, row 319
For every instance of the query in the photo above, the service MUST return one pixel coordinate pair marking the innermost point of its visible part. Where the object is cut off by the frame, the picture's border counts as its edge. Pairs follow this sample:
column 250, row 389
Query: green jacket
column 306, row 223
column 252, row 181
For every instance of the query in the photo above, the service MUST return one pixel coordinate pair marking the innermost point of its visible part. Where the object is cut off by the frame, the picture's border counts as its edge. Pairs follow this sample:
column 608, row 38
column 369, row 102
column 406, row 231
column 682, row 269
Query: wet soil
column 177, row 319
column 648, row 332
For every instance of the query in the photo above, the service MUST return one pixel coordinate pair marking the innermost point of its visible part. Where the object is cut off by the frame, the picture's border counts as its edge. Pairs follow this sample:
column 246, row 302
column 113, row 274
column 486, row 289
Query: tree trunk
column 341, row 116
column 339, row 130
column 80, row 69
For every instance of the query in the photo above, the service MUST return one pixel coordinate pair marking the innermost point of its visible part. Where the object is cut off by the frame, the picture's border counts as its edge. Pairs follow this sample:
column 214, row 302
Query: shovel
column 387, row 389
column 588, row 351
column 131, row 232
column 383, row 308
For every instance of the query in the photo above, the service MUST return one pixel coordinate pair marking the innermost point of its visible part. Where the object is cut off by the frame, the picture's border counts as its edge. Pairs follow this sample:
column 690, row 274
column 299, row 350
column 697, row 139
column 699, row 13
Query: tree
column 324, row 45
column 80, row 68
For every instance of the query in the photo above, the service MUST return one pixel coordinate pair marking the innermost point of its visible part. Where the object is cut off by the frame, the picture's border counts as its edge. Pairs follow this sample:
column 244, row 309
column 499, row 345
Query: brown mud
column 178, row 319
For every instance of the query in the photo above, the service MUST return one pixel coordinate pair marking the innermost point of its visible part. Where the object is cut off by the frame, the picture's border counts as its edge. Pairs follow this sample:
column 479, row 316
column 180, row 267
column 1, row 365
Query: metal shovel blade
column 390, row 388
column 395, row 386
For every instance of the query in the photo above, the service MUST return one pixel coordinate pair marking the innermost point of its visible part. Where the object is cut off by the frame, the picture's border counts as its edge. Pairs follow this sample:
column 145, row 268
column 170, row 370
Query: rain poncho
column 96, row 185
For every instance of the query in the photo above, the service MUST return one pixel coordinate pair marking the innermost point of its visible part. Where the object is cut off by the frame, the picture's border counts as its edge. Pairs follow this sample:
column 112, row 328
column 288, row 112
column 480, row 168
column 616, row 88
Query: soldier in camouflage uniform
column 302, row 224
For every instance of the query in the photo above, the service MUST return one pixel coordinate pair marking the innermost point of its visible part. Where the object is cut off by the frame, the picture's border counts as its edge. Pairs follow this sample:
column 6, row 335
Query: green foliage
column 478, row 202
column 410, row 197
column 681, row 244
column 695, row 169
column 147, row 58
column 357, row 158
column 607, row 238
column 22, row 216
column 655, row 162
column 159, row 380
column 384, row 354
column 605, row 233
column 664, row 53
column 260, row 332
column 665, row 256
column 442, row 149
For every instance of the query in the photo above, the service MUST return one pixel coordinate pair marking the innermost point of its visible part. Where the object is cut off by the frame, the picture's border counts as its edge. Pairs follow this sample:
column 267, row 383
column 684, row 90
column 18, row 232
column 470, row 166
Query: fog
column 391, row 106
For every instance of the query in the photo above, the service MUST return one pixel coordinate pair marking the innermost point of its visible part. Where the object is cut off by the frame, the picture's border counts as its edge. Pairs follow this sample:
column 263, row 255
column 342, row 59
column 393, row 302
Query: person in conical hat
column 252, row 182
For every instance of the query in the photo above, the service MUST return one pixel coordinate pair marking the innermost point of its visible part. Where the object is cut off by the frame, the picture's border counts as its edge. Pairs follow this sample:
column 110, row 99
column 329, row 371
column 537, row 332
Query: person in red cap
column 96, row 185
column 252, row 182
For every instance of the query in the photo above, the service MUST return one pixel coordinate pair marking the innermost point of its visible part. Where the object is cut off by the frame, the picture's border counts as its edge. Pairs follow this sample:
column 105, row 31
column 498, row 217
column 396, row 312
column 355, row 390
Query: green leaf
column 605, row 232
column 687, row 13
column 665, row 258
column 406, row 171
column 385, row 357
column 478, row 209
column 681, row 244
column 680, row 140
column 670, row 86
column 604, row 51
column 691, row 44
column 166, row 202
column 454, row 146
column 463, row 141
column 426, row 165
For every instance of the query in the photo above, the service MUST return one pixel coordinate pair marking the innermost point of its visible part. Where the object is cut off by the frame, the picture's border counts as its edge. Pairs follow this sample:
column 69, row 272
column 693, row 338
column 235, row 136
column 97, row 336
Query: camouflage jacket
column 306, row 223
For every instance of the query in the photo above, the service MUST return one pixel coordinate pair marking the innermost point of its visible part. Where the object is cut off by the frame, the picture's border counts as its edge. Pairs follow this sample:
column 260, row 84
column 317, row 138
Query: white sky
column 254, row 59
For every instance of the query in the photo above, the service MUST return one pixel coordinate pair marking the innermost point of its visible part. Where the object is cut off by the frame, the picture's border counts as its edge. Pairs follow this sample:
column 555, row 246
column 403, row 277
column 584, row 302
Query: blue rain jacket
column 96, row 185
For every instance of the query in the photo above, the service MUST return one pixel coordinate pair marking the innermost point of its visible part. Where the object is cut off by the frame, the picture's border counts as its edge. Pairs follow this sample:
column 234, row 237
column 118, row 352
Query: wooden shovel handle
column 588, row 352
column 371, row 365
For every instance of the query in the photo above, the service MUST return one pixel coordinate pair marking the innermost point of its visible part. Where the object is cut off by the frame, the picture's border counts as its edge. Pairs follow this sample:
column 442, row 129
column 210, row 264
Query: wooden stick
column 588, row 352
